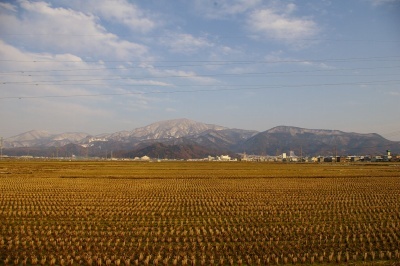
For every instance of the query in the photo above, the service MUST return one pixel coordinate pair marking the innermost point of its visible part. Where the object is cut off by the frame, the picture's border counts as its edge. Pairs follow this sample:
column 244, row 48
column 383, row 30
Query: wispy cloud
column 394, row 93
column 8, row 7
column 278, row 57
column 118, row 11
column 383, row 2
column 170, row 110
column 224, row 8
column 173, row 74
column 185, row 43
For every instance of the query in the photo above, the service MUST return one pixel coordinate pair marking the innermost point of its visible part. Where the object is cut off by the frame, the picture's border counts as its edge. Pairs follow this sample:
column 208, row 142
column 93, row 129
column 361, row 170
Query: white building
column 225, row 158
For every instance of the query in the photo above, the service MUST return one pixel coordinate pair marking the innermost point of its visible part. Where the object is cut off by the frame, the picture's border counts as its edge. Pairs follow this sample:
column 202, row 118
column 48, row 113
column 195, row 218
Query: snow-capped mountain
column 168, row 129
column 173, row 129
column 196, row 136
column 27, row 139
column 67, row 138
column 30, row 135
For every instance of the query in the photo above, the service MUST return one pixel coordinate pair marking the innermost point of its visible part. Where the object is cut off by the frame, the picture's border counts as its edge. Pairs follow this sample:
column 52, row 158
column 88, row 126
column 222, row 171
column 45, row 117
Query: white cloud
column 52, row 113
column 61, row 30
column 281, row 26
column 185, row 43
column 56, row 105
column 29, row 74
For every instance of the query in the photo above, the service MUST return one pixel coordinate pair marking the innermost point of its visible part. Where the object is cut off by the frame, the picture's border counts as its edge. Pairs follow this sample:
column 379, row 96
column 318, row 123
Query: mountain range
column 186, row 139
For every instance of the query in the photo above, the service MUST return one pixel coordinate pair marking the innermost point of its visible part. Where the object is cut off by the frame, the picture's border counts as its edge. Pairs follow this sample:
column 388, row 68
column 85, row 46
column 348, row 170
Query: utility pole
column 301, row 153
column 1, row 148
column 335, row 153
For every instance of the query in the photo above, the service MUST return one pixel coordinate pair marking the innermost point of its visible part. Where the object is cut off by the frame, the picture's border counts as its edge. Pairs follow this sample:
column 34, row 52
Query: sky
column 102, row 66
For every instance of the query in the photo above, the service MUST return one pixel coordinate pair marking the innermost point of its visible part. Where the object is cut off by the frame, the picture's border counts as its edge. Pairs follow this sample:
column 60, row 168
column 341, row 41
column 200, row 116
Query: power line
column 199, row 90
column 22, row 74
column 66, row 82
column 206, row 37
column 379, row 58
column 198, row 64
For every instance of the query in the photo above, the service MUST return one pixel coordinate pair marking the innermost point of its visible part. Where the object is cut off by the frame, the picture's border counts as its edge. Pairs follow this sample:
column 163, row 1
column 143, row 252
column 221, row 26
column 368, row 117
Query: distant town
column 284, row 157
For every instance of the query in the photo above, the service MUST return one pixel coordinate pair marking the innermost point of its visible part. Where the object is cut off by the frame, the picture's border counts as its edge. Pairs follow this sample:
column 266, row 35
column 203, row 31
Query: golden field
column 198, row 213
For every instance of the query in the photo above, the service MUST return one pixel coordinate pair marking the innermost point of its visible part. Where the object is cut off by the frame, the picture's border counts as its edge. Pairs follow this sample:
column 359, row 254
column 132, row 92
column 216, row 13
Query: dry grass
column 125, row 213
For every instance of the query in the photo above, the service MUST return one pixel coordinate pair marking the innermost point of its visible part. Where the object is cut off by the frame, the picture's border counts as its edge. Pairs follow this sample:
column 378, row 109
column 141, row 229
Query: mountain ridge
column 198, row 137
column 174, row 128
column 296, row 130
column 317, row 141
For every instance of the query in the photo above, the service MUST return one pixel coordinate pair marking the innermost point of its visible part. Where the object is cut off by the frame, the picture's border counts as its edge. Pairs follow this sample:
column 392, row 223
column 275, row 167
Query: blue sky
column 101, row 66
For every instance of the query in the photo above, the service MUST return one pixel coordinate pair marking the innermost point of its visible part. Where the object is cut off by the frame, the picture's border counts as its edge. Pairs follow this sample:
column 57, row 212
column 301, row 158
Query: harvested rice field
column 198, row 213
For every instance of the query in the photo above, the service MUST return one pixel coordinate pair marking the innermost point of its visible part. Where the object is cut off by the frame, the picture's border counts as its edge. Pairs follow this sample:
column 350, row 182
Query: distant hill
column 184, row 139
column 316, row 142
column 67, row 150
column 226, row 139
column 36, row 138
column 175, row 151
